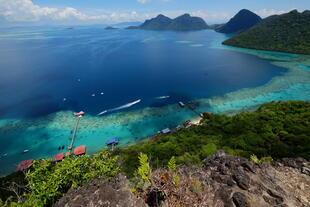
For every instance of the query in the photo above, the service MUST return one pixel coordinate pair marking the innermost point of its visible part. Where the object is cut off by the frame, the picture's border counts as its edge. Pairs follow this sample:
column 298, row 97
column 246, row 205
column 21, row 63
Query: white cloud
column 268, row 12
column 27, row 11
column 143, row 1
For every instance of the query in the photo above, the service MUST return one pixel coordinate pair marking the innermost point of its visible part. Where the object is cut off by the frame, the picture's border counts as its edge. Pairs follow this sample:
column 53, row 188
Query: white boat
column 181, row 104
column 25, row 151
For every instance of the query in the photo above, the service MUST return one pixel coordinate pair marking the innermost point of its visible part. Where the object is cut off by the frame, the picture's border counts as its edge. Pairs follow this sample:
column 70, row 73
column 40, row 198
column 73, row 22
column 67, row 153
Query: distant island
column 242, row 21
column 110, row 27
column 184, row 22
column 288, row 32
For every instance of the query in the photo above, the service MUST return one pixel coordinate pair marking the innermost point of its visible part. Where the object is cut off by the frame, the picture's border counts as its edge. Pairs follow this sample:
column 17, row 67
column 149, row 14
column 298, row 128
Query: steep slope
column 288, row 32
column 160, row 22
column 184, row 22
column 222, row 180
column 242, row 21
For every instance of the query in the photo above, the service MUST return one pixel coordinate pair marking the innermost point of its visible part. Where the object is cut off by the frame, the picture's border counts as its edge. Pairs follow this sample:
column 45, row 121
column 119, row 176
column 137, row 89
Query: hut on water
column 24, row 165
column 112, row 142
column 80, row 150
column 59, row 157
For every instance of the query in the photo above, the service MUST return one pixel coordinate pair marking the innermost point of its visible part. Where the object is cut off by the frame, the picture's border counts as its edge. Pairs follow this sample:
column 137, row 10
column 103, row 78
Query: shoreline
column 44, row 134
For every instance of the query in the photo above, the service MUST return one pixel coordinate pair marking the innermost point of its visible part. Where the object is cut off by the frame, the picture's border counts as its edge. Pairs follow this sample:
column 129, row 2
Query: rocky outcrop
column 115, row 192
column 232, row 181
column 222, row 181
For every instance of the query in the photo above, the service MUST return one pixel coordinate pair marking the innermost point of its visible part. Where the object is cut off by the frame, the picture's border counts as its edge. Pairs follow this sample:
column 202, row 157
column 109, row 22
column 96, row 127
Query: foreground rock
column 97, row 193
column 222, row 181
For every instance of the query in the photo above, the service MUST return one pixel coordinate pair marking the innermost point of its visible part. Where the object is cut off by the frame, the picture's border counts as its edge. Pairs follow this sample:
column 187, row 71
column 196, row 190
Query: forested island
column 184, row 22
column 288, row 32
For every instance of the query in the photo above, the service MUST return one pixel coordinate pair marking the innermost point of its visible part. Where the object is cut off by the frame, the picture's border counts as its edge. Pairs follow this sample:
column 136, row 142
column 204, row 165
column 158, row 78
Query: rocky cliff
column 222, row 181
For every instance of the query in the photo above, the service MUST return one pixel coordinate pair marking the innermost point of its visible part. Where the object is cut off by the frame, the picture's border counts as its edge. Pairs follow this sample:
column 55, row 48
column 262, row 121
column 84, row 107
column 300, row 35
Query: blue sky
column 112, row 11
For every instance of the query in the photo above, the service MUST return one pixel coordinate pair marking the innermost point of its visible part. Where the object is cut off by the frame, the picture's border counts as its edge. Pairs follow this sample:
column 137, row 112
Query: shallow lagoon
column 184, row 66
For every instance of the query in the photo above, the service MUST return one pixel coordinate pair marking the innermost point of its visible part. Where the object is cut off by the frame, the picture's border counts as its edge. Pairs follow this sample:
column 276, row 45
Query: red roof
column 81, row 113
column 80, row 150
column 59, row 157
column 24, row 165
column 154, row 139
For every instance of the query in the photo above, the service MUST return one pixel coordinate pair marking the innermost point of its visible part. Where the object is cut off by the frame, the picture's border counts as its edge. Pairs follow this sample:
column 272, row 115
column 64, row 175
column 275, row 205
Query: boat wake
column 162, row 97
column 120, row 107
column 103, row 112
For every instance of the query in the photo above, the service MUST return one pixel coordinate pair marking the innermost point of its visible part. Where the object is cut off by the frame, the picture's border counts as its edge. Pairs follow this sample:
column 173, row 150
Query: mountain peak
column 161, row 16
column 242, row 21
column 185, row 15
column 183, row 22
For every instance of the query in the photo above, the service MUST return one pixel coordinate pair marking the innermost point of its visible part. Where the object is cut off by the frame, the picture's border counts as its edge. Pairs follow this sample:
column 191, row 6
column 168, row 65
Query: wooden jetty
column 78, row 117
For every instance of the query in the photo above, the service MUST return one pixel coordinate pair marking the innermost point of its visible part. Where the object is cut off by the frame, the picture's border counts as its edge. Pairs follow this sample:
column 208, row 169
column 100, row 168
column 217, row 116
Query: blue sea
column 128, row 82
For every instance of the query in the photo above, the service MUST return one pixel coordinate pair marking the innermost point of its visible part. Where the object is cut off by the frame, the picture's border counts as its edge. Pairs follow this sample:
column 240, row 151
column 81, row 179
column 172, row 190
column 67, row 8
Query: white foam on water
column 103, row 112
column 162, row 97
column 120, row 107
column 126, row 105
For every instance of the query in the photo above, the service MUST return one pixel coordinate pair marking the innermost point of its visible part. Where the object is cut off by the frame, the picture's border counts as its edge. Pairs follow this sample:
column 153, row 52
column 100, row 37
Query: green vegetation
column 284, row 33
column 278, row 129
column 255, row 159
column 144, row 169
column 184, row 22
column 47, row 182
column 172, row 166
column 275, row 130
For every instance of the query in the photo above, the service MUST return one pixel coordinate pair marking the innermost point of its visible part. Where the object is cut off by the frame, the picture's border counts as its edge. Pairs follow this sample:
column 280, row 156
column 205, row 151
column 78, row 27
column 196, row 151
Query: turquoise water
column 44, row 133
column 305, row 67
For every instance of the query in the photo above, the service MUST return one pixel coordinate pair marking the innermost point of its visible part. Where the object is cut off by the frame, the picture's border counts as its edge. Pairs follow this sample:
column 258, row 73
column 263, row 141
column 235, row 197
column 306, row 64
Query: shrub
column 49, row 182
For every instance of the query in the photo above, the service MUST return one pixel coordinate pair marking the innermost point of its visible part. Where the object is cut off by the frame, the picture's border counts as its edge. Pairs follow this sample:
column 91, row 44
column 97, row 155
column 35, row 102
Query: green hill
column 242, row 21
column 288, row 32
column 184, row 22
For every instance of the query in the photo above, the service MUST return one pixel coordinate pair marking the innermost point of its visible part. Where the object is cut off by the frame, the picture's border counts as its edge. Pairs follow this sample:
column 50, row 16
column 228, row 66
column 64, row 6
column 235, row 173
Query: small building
column 154, row 138
column 79, row 114
column 59, row 157
column 166, row 131
column 24, row 165
column 80, row 150
column 112, row 142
